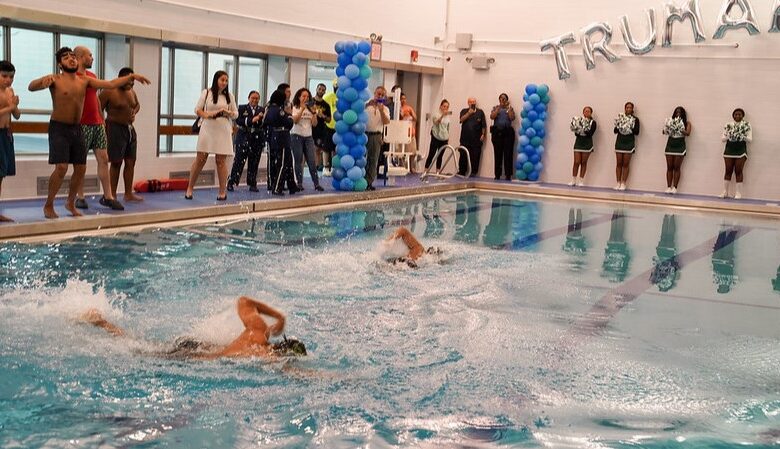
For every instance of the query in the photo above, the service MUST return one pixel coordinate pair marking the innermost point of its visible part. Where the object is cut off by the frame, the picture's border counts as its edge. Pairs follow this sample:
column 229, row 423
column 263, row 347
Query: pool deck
column 166, row 207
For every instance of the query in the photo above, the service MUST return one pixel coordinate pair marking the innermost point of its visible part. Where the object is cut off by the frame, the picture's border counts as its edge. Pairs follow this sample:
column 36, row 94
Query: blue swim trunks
column 7, row 157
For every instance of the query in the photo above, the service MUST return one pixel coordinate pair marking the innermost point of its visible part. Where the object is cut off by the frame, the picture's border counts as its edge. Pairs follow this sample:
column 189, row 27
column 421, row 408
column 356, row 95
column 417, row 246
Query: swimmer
column 253, row 341
column 414, row 249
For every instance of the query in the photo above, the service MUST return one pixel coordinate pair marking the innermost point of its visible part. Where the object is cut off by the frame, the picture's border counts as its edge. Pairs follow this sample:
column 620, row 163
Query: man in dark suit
column 249, row 142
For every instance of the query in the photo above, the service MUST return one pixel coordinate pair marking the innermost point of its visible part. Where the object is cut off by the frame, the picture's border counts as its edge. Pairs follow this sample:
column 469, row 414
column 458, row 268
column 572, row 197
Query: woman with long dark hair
column 217, row 109
column 677, row 128
column 302, row 141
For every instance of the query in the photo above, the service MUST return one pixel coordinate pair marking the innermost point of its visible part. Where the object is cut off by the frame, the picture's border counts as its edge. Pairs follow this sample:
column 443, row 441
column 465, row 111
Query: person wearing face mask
column 249, row 142
column 502, row 136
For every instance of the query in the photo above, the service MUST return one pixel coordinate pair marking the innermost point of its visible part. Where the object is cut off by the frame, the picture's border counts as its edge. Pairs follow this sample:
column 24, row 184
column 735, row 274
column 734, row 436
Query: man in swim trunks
column 9, row 106
column 121, row 106
column 252, row 342
column 66, row 146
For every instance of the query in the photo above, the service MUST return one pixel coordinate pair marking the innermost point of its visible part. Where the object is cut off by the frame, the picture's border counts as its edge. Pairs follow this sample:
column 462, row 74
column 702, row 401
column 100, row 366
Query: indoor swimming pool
column 546, row 323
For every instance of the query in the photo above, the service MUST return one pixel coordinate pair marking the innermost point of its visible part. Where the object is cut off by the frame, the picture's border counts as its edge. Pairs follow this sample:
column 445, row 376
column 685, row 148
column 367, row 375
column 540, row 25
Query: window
column 185, row 73
column 31, row 49
column 278, row 73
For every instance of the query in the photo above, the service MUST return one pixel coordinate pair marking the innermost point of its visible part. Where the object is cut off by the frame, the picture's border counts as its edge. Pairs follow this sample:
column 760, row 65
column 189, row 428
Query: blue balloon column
column 353, row 72
column 530, row 148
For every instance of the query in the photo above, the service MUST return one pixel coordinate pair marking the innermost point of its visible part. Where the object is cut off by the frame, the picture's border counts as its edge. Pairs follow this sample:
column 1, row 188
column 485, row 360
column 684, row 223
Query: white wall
column 709, row 80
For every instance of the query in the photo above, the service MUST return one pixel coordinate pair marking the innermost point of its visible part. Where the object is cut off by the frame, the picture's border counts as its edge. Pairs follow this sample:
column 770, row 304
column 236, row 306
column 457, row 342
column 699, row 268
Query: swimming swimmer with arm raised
column 415, row 247
column 252, row 342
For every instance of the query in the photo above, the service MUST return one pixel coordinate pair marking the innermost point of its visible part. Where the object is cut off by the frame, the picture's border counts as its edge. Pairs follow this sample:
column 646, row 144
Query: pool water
column 545, row 324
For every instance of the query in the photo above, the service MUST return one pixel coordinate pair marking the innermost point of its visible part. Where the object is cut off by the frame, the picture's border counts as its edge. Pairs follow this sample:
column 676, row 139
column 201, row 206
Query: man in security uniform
column 249, row 142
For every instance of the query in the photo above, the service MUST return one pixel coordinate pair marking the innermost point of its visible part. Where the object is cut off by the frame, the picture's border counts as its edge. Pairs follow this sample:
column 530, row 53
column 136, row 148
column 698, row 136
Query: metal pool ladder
column 453, row 152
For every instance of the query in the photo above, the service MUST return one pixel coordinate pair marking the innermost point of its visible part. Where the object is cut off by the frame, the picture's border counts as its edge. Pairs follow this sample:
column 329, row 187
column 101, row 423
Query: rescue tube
column 160, row 185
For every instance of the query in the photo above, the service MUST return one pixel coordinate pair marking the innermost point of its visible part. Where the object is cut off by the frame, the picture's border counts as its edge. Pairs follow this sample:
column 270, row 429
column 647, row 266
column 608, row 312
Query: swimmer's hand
column 95, row 318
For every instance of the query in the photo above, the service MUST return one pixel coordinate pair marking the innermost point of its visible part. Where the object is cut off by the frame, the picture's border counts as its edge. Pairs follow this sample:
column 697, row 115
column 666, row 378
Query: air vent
column 91, row 185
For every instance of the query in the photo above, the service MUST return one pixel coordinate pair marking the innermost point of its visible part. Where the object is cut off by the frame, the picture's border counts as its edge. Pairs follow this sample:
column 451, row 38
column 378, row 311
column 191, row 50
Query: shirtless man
column 121, row 105
column 252, row 342
column 416, row 250
column 93, row 131
column 9, row 106
column 65, row 142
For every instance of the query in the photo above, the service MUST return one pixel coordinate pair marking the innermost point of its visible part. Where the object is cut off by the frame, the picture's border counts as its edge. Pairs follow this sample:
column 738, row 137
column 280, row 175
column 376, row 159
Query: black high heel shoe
column 222, row 198
column 187, row 197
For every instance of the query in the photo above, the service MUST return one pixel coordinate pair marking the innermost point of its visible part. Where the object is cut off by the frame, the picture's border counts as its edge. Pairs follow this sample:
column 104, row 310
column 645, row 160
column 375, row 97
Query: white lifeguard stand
column 397, row 133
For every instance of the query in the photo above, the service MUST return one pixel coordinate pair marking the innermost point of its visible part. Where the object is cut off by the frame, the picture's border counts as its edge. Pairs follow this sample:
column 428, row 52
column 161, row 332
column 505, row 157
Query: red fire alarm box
column 415, row 55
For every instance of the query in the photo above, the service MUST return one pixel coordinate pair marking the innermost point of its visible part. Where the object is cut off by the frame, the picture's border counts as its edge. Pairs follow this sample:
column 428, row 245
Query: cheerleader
column 736, row 134
column 584, row 127
column 677, row 128
column 626, row 128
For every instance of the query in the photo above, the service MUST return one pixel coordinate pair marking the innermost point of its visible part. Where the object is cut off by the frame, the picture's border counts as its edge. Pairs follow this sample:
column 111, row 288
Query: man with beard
column 66, row 146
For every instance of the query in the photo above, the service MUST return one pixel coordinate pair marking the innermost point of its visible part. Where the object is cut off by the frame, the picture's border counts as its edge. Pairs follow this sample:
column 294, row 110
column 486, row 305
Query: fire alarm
column 415, row 55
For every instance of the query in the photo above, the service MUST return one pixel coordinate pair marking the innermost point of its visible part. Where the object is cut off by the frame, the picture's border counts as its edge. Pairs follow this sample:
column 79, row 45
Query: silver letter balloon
column 673, row 13
column 747, row 21
column 601, row 46
column 648, row 44
column 561, row 60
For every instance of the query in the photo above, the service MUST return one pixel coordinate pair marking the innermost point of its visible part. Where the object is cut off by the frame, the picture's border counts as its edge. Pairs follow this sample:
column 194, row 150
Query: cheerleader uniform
column 626, row 143
column 675, row 145
column 584, row 143
column 737, row 149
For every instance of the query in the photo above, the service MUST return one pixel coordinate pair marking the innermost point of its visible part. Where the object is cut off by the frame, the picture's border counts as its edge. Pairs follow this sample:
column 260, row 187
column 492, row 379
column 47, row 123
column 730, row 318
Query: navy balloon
column 343, row 60
column 350, row 48
column 359, row 84
column 339, row 47
column 338, row 173
column 533, row 115
column 364, row 47
column 357, row 152
column 349, row 139
column 533, row 176
column 340, row 71
column 530, row 89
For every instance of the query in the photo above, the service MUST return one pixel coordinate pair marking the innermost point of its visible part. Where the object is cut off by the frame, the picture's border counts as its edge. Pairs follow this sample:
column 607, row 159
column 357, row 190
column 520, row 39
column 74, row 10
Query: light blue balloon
column 522, row 158
column 527, row 106
column 542, row 89
column 523, row 113
column 347, row 162
column 350, row 48
column 540, row 150
column 541, row 107
column 538, row 125
column 337, row 138
column 341, row 127
column 526, row 123
column 534, row 159
column 529, row 149
column 359, row 127
column 533, row 115
column 358, row 106
column 339, row 47
column 363, row 117
column 346, row 184
column 530, row 132
column 365, row 95
column 362, row 139
column 366, row 72
column 361, row 162
column 525, row 97
column 538, row 167
column 543, row 116
column 534, row 99
column 524, row 140
column 349, row 139
column 359, row 59
column 519, row 174
column 354, row 173
column 364, row 47
column 528, row 167
column 533, row 176
column 351, row 71
column 529, row 89
column 350, row 94
column 337, row 116
column 350, row 117
column 342, row 149
column 344, row 83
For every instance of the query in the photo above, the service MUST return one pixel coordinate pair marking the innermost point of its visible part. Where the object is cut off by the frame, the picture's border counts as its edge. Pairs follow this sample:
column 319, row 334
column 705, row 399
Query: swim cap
column 289, row 346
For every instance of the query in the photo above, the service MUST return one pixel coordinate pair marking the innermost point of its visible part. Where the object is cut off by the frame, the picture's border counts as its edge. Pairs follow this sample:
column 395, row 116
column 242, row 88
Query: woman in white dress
column 217, row 109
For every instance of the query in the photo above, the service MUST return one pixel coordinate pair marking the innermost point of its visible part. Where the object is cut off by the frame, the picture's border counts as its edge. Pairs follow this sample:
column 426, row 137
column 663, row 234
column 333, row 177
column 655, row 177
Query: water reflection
column 723, row 272
column 434, row 224
column 466, row 219
column 575, row 244
column 776, row 281
column 617, row 255
column 666, row 267
column 498, row 229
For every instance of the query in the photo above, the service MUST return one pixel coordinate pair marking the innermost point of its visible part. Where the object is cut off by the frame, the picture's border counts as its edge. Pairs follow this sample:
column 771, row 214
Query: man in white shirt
column 378, row 116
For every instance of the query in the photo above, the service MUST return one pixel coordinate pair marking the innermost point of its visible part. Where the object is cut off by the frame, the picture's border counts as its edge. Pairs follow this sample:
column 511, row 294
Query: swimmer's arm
column 116, row 82
column 265, row 309
column 41, row 83
column 415, row 248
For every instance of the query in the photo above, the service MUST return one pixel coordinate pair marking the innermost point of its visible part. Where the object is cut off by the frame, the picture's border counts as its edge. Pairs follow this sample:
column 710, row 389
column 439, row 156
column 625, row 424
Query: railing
column 453, row 153
column 43, row 128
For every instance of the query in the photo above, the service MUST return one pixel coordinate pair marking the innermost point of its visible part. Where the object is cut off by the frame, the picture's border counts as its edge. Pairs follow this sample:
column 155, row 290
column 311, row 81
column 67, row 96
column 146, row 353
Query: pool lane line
column 601, row 313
